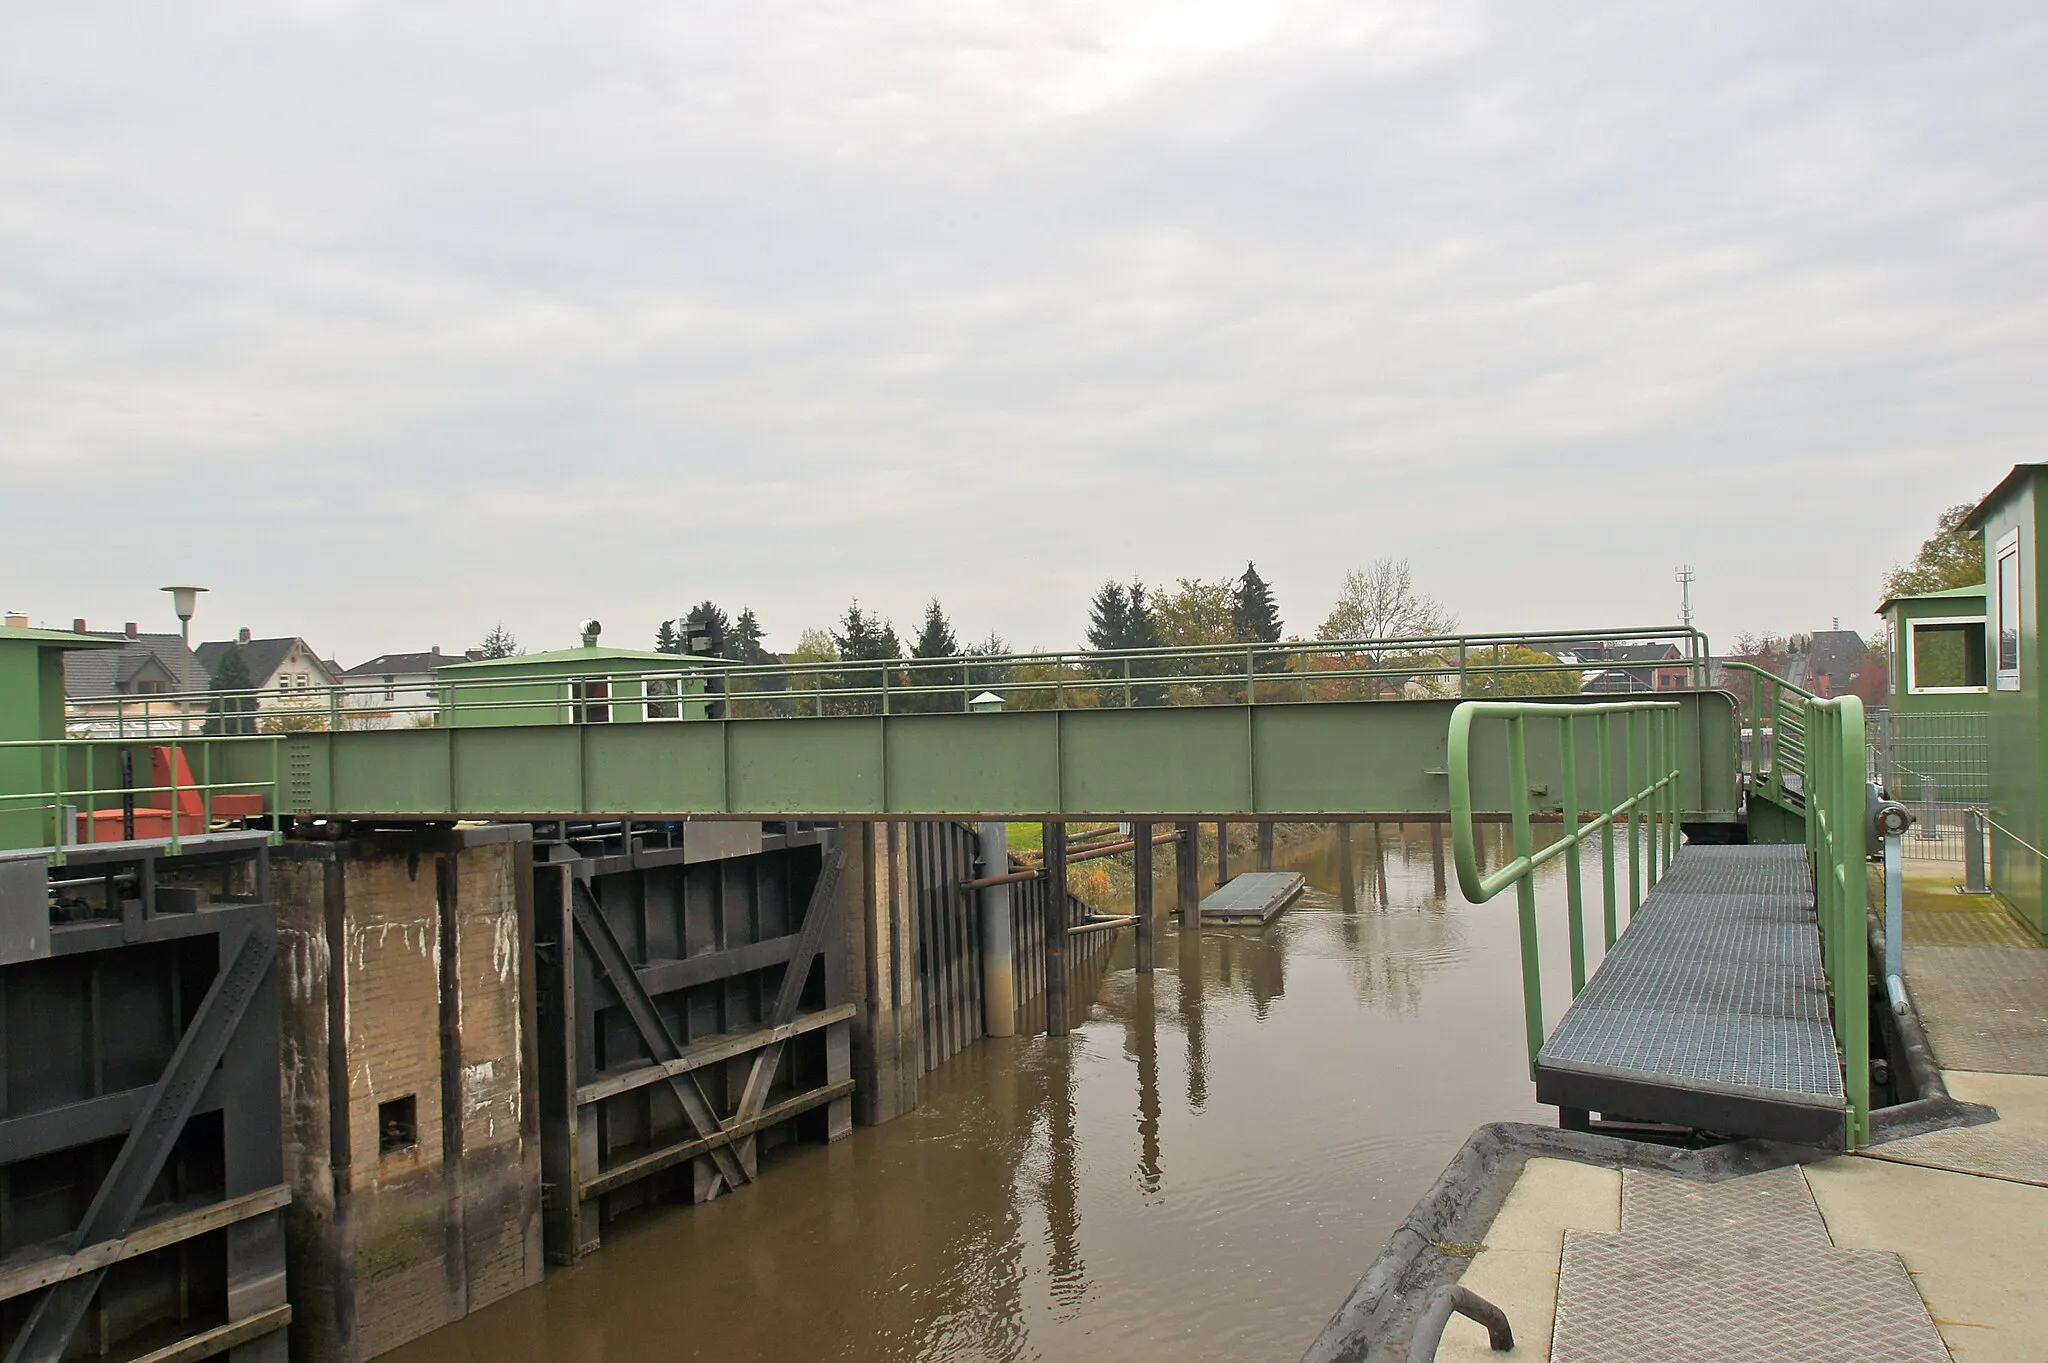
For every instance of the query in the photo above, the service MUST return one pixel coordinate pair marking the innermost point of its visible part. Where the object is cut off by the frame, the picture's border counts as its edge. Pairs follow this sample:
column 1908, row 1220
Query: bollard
column 1974, row 829
column 1930, row 812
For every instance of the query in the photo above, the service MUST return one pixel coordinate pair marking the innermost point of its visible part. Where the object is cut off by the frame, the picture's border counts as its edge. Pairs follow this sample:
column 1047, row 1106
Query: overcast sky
column 387, row 322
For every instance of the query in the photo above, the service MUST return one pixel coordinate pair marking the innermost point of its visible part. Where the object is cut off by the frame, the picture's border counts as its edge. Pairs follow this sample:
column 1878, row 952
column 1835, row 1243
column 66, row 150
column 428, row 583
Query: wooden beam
column 634, row 1170
column 21, row 1278
column 709, row 1052
column 222, row 1338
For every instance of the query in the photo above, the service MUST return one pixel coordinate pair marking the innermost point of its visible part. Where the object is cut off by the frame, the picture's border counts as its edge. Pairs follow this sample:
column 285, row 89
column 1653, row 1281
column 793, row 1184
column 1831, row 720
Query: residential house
column 1630, row 669
column 293, row 676
column 393, row 690
column 1833, row 660
column 109, row 690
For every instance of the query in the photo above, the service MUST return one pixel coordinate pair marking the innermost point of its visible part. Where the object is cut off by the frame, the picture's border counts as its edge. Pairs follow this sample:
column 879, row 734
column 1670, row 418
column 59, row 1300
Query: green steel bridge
column 1465, row 728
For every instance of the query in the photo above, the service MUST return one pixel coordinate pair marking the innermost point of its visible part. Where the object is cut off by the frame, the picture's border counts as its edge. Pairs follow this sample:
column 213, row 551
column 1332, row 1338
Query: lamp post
column 185, row 600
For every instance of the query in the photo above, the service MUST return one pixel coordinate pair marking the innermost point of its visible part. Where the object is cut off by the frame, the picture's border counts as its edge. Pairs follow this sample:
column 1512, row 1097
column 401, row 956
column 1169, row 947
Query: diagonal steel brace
column 810, row 938
column 654, row 1033
column 55, row 1318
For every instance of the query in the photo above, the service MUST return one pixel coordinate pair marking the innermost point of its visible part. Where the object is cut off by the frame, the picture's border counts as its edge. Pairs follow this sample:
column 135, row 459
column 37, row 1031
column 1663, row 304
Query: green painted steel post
column 1568, row 761
column 1674, row 828
column 1057, row 921
column 1635, row 826
column 1607, row 802
column 1525, row 891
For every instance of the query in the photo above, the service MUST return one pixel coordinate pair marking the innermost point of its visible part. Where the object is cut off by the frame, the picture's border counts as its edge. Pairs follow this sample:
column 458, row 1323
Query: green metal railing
column 1442, row 666
column 1634, row 756
column 80, row 778
column 1777, row 733
column 1837, row 842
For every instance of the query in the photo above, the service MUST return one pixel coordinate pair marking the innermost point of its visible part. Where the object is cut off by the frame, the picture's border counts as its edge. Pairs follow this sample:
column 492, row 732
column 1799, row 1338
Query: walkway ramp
column 1712, row 1010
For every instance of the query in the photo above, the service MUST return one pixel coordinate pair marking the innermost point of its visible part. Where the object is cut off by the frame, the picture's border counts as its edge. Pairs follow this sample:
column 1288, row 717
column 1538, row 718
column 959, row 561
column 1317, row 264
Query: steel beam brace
column 817, row 916
column 661, row 1043
column 55, row 1317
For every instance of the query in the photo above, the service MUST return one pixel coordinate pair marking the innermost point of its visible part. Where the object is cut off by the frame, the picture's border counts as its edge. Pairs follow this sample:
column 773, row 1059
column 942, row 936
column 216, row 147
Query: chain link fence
column 1939, row 767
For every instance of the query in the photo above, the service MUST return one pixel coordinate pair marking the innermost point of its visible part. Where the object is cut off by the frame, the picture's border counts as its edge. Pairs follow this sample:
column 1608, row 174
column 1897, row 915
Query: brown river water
column 1202, row 1170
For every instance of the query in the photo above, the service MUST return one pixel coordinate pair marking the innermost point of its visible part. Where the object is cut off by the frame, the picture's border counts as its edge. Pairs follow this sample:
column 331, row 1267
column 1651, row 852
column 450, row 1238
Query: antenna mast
column 1683, row 577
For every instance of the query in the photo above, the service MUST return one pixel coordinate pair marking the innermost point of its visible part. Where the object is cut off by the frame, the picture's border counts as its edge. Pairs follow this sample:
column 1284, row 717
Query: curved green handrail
column 1643, row 791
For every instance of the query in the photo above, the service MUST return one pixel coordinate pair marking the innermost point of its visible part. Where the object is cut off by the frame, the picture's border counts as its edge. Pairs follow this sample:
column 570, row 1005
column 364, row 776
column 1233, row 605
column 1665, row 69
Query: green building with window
column 2016, row 702
column 1939, row 655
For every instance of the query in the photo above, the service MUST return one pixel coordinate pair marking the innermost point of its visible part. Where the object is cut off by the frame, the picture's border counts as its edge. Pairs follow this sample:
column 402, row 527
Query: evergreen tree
column 1142, row 627
column 745, row 645
column 1252, row 609
column 666, row 640
column 231, row 714
column 863, row 638
column 1109, row 619
column 499, row 643
column 939, row 687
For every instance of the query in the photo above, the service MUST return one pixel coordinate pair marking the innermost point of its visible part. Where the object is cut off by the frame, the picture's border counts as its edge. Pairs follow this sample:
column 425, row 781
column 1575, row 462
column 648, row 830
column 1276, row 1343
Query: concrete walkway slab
column 1974, row 1246
column 1517, row 1271
column 2015, row 1147
column 1979, row 981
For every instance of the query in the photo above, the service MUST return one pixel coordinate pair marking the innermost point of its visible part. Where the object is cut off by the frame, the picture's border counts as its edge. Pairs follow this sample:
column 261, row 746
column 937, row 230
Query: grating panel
column 1716, row 984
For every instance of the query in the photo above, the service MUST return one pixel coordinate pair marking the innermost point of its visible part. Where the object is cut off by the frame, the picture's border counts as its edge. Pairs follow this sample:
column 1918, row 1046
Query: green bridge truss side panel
column 996, row 763
column 654, row 767
column 1367, row 757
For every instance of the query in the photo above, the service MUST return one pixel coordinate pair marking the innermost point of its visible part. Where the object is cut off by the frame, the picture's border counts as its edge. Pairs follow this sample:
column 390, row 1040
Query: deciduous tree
column 1949, row 558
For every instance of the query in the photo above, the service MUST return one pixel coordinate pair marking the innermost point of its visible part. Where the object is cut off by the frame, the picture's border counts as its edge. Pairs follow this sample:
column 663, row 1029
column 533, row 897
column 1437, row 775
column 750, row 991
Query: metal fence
column 1939, row 766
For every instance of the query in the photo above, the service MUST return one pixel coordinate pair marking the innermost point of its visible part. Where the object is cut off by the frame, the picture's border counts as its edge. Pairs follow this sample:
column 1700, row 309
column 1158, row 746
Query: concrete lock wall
column 411, row 1145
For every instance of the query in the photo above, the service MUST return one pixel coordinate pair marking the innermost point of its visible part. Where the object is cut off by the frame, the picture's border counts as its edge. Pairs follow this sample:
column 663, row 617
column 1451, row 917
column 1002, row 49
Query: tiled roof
column 402, row 664
column 112, row 671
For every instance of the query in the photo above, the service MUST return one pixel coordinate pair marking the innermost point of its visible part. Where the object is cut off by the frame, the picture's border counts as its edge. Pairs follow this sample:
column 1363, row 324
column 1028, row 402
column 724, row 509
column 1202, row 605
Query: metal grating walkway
column 1711, row 1012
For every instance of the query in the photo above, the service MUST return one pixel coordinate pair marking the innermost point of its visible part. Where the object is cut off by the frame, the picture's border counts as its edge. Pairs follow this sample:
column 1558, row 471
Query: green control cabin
column 586, row 685
column 32, row 712
column 2009, row 522
column 1940, row 654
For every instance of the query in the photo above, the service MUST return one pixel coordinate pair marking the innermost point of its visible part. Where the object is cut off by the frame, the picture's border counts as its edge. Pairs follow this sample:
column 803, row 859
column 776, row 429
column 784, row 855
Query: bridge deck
column 1712, row 1011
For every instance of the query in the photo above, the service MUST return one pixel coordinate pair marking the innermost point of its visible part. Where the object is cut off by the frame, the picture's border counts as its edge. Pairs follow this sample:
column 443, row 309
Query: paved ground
column 1947, row 1230
column 1977, row 977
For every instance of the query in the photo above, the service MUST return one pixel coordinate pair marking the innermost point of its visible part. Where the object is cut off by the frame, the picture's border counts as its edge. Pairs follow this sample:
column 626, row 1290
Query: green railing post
column 1607, row 803
column 1635, row 824
column 1568, row 760
column 1525, row 889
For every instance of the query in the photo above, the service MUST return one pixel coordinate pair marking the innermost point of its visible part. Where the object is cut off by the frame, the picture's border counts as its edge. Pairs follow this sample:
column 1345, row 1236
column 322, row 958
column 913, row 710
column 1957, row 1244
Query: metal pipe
column 1101, row 924
column 1012, row 878
column 998, row 945
column 1429, row 1331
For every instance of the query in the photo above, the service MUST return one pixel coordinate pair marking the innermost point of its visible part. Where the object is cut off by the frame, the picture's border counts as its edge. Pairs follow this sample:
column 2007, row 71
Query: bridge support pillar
column 1141, row 892
column 1265, row 844
column 1347, row 867
column 1187, row 865
column 1222, row 851
column 1057, row 1022
column 881, row 931
column 998, row 947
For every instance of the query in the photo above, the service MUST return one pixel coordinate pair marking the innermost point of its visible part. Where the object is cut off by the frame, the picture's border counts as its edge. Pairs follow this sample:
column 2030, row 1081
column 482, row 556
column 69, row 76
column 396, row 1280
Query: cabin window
column 661, row 694
column 2008, row 612
column 1945, row 655
column 593, row 696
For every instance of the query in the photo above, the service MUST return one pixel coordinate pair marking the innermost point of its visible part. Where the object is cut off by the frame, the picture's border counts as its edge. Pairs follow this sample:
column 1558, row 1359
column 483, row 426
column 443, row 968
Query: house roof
column 113, row 667
column 401, row 664
column 263, row 656
column 1975, row 520
column 655, row 661
column 1837, row 654
column 59, row 638
column 1951, row 594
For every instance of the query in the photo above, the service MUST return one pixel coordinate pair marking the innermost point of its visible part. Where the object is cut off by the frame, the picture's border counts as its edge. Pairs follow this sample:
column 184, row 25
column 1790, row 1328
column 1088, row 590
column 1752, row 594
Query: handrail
column 93, row 797
column 1981, row 812
column 1837, row 843
column 1786, row 753
column 1296, row 670
column 1645, row 791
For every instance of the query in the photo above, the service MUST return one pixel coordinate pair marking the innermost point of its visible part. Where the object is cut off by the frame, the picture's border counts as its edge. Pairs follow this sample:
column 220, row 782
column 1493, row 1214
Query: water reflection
column 1112, row 1195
